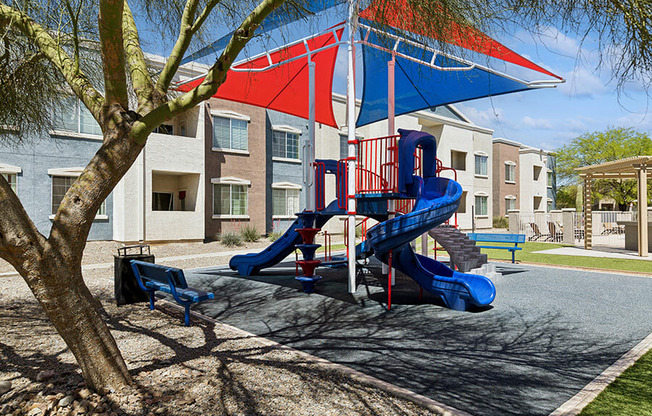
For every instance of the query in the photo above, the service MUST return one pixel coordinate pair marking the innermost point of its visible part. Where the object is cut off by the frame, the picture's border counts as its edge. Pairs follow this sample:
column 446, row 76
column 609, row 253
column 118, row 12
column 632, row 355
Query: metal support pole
column 588, row 214
column 389, row 281
column 641, row 176
column 391, row 128
column 353, row 22
column 309, row 156
column 144, row 211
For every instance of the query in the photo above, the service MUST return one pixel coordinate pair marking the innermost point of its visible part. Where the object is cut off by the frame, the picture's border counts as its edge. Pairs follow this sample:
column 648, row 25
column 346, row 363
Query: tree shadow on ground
column 513, row 361
column 232, row 385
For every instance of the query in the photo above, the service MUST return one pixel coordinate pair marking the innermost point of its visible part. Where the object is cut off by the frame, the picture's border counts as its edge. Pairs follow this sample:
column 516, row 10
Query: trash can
column 126, row 288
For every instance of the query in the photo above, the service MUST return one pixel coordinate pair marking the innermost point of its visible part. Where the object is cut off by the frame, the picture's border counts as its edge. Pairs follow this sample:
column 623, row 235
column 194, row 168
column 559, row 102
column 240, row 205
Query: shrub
column 231, row 239
column 274, row 235
column 250, row 234
column 501, row 222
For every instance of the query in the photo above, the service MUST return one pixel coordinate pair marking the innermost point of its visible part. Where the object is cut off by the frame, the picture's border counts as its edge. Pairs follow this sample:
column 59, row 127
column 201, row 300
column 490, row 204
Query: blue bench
column 152, row 277
column 499, row 238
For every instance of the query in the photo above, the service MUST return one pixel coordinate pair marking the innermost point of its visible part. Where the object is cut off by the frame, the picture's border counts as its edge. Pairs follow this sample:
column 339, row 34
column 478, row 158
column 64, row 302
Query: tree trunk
column 74, row 313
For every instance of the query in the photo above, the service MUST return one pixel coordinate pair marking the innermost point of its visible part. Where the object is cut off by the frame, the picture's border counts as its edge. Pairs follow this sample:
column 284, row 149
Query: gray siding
column 34, row 186
column 284, row 171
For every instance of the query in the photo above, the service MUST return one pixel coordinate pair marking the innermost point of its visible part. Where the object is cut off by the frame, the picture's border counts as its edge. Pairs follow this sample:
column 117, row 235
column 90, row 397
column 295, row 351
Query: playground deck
column 548, row 333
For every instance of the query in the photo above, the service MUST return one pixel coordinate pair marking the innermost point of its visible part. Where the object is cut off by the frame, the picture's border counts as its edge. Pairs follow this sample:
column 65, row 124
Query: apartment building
column 524, row 178
column 41, row 169
column 224, row 165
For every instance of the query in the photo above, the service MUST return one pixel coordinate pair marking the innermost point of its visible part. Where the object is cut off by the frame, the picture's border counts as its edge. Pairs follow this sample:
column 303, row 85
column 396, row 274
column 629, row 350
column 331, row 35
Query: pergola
column 639, row 168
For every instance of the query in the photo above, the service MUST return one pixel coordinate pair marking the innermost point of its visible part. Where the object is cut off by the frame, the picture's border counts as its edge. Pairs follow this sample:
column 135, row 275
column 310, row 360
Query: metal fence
column 549, row 227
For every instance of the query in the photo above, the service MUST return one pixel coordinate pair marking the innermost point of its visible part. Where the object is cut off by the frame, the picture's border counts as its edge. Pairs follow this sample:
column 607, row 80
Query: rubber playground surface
column 548, row 333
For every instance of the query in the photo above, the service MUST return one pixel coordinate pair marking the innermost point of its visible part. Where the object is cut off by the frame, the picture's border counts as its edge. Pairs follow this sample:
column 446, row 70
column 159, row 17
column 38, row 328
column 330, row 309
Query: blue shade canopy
column 276, row 19
column 419, row 86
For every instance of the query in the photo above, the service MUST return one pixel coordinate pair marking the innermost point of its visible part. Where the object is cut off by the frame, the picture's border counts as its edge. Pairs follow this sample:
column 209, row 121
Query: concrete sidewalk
column 614, row 253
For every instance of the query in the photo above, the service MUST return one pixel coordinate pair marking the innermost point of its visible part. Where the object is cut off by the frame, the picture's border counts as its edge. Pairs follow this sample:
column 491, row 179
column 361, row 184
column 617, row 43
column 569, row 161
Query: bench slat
column 497, row 238
column 153, row 277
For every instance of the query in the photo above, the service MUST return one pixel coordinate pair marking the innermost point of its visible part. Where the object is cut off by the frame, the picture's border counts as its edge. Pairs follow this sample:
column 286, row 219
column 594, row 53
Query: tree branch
column 180, row 47
column 140, row 78
column 79, row 83
column 214, row 78
column 18, row 234
column 113, row 56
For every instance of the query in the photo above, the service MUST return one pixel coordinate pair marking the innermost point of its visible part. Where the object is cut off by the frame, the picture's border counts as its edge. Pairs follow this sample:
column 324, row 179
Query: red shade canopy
column 285, row 87
column 397, row 14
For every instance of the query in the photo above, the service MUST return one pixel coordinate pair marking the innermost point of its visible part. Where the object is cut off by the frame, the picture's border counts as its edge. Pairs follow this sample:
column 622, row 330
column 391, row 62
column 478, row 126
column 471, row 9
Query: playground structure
column 401, row 76
column 393, row 169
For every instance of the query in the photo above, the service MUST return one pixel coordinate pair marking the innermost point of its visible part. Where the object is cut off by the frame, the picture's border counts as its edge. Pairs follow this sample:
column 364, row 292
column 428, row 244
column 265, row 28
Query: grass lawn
column 629, row 394
column 528, row 255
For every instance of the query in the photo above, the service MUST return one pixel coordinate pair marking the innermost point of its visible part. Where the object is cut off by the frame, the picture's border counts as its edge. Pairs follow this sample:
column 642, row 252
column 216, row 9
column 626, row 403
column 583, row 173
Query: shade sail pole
column 350, row 102
column 309, row 156
column 391, row 130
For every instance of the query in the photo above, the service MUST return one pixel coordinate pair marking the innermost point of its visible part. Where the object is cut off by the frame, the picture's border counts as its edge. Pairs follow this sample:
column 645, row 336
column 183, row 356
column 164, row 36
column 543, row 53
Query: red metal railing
column 320, row 174
column 342, row 186
column 377, row 169
column 363, row 226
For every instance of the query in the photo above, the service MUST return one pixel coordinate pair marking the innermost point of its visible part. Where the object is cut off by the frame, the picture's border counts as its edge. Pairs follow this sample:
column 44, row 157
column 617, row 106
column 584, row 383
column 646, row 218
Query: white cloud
column 538, row 123
column 638, row 121
column 484, row 118
column 559, row 42
column 582, row 83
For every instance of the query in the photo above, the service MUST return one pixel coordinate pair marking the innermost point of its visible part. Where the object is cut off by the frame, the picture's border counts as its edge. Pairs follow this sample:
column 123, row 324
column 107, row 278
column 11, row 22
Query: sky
column 549, row 118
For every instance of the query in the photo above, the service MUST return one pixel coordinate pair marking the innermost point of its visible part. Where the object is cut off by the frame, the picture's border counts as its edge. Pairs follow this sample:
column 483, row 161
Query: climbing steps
column 462, row 250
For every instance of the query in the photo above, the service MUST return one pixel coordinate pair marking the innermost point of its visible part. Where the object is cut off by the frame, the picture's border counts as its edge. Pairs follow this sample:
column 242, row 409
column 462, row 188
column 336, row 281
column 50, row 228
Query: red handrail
column 377, row 170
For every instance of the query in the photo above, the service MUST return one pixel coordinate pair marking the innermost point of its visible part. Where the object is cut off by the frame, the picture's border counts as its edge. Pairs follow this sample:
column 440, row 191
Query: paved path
column 549, row 333
column 596, row 252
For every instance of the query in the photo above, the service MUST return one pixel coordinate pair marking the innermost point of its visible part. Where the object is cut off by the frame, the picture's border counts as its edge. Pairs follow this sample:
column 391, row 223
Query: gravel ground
column 205, row 369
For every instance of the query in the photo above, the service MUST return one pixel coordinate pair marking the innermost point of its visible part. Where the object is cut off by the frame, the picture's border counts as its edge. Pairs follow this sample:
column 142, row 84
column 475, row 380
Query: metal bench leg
column 513, row 253
column 187, row 315
column 151, row 300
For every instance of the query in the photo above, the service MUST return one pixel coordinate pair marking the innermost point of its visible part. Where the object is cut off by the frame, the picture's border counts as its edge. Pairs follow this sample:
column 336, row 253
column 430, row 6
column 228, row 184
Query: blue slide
column 437, row 199
column 252, row 263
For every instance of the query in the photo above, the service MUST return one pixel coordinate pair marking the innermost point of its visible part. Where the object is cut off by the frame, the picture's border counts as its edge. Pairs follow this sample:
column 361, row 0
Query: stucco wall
column 250, row 166
column 504, row 152
column 529, row 187
column 34, row 156
column 173, row 163
column 284, row 170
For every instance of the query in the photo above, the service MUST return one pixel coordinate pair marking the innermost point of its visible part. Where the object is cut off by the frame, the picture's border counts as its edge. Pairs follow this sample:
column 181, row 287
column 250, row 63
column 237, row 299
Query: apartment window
column 510, row 203
column 11, row 179
column 481, row 205
column 549, row 179
column 60, row 185
column 549, row 205
column 230, row 133
column 285, row 202
column 285, row 144
column 162, row 201
column 462, row 207
column 538, row 203
column 458, row 160
column 481, row 165
column 73, row 116
column 510, row 172
column 230, row 199
column 164, row 129
column 536, row 172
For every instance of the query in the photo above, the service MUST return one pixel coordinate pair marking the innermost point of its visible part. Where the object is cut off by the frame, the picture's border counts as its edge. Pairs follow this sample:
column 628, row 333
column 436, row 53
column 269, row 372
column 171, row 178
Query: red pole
column 389, row 282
